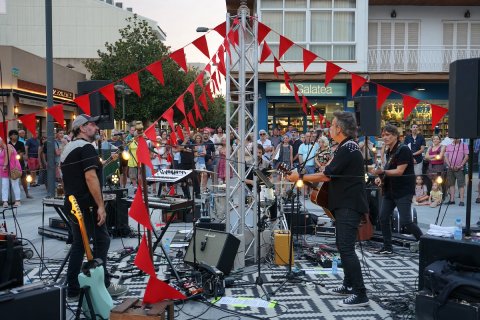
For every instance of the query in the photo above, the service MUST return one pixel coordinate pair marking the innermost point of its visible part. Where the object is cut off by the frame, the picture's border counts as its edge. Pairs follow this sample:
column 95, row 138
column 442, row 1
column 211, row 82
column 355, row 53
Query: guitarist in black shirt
column 347, row 200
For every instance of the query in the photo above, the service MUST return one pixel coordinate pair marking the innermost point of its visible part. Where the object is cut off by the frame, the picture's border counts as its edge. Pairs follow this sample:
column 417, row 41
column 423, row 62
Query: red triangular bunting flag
column 156, row 70
column 263, row 31
column 2, row 130
column 173, row 139
column 143, row 153
column 208, row 68
column 233, row 37
column 158, row 290
column 138, row 211
column 312, row 114
column 179, row 57
column 169, row 160
column 168, row 115
column 209, row 94
column 84, row 103
column 295, row 93
column 409, row 103
column 357, row 83
column 198, row 115
column 203, row 100
column 266, row 52
column 276, row 64
column 221, row 29
column 109, row 93
column 215, row 82
column 172, row 188
column 382, row 95
column 151, row 133
column 186, row 126
column 133, row 82
column 200, row 78
column 437, row 114
column 285, row 44
column 191, row 89
column 308, row 58
column 143, row 260
column 180, row 133
column 191, row 120
column 201, row 44
column 304, row 104
column 180, row 104
column 30, row 123
column 57, row 114
column 287, row 80
column 226, row 45
column 331, row 72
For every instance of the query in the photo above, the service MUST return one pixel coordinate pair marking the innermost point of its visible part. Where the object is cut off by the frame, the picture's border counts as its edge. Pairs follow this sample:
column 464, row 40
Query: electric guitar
column 92, row 274
column 318, row 196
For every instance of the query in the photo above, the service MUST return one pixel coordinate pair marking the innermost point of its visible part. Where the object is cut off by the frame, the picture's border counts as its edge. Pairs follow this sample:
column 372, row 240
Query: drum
column 267, row 196
column 219, row 206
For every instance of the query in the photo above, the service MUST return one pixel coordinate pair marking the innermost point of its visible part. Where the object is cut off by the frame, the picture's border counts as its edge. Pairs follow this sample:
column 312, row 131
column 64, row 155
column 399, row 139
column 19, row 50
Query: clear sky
column 179, row 19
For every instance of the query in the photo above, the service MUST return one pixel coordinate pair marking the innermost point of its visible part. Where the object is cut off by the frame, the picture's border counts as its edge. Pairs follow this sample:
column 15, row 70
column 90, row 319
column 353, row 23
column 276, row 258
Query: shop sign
column 38, row 88
column 309, row 89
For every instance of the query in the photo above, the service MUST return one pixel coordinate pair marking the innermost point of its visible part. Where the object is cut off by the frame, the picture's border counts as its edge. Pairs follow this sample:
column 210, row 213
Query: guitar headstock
column 75, row 207
column 283, row 168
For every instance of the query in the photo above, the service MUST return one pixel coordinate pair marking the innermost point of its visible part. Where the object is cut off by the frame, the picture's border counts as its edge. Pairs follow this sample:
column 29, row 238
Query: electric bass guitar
column 92, row 275
column 318, row 196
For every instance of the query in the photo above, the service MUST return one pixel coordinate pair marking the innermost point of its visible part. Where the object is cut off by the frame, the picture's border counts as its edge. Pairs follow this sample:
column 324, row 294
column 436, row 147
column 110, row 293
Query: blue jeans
column 404, row 206
column 309, row 169
column 346, row 223
column 101, row 243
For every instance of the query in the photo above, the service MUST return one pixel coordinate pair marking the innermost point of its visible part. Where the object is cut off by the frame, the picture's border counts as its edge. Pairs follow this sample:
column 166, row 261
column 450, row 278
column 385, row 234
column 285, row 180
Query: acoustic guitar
column 92, row 275
column 318, row 196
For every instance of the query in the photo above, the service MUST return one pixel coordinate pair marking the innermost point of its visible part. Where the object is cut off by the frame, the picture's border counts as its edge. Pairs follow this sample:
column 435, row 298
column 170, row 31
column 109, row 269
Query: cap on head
column 82, row 119
column 262, row 131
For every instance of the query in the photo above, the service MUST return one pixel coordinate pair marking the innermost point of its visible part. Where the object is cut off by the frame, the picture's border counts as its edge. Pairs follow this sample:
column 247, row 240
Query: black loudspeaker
column 117, row 213
column 368, row 118
column 99, row 106
column 11, row 265
column 212, row 226
column 35, row 301
column 213, row 248
column 464, row 99
column 428, row 308
column 303, row 223
column 434, row 248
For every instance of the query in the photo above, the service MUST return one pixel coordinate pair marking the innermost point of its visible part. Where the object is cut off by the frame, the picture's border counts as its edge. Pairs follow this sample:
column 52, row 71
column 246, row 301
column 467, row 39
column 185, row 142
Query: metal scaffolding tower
column 241, row 120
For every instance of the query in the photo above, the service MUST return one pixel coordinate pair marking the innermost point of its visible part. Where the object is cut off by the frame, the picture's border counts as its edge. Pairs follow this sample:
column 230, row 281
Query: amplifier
column 281, row 247
column 57, row 223
column 11, row 265
column 427, row 308
column 34, row 301
column 212, row 226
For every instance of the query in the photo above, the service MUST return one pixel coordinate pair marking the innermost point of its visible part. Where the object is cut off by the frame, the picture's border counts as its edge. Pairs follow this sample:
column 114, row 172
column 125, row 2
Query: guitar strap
column 391, row 157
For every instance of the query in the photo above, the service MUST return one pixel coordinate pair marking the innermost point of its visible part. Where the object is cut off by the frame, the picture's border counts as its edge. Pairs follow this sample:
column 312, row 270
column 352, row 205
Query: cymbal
column 272, row 170
column 222, row 186
column 282, row 182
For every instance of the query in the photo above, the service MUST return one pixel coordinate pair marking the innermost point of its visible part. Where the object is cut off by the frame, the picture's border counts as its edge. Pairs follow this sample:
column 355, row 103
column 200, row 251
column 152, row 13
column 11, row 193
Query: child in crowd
column 435, row 195
column 421, row 194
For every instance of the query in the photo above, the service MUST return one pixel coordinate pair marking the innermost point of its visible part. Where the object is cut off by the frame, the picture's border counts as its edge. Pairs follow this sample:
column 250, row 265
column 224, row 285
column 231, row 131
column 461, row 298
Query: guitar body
column 101, row 300
column 320, row 198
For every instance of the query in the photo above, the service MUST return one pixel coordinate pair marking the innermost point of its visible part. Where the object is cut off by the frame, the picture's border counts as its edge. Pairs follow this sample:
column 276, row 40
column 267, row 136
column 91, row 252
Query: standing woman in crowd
column 435, row 156
column 8, row 156
column 323, row 154
column 199, row 153
column 285, row 152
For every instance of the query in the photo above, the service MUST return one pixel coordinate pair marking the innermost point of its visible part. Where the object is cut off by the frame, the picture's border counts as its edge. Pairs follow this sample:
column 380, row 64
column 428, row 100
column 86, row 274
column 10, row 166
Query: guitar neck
column 86, row 243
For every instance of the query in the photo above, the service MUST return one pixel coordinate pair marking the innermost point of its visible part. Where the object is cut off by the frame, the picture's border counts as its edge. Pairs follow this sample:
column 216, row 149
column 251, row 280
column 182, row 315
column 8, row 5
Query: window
column 461, row 35
column 326, row 27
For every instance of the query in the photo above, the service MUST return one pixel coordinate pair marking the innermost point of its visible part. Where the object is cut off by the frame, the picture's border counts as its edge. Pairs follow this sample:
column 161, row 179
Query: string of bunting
column 357, row 81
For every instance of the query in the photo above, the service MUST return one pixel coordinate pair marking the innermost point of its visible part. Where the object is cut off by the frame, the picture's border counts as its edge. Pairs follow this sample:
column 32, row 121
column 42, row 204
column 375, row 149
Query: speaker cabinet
column 213, row 248
column 368, row 118
column 33, row 302
column 117, row 213
column 11, row 266
column 99, row 106
column 464, row 99
column 434, row 248
column 281, row 247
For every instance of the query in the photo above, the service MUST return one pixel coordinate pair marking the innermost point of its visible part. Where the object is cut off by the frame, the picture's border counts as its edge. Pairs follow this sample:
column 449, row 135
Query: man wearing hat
column 82, row 169
column 266, row 143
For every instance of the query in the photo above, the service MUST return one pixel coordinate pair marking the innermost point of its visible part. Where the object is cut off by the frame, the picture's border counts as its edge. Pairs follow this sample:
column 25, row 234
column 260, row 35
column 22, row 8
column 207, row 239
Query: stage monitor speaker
column 464, row 99
column 11, row 266
column 99, row 106
column 34, row 301
column 368, row 118
column 434, row 248
column 213, row 248
column 117, row 213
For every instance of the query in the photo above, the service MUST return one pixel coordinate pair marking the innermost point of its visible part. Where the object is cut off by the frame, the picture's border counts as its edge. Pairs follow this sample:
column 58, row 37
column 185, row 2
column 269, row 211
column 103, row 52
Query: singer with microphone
column 347, row 200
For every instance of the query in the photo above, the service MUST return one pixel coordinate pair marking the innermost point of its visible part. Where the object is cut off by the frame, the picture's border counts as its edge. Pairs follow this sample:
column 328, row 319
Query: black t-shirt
column 187, row 156
column 210, row 150
column 78, row 157
column 20, row 148
column 397, row 187
column 346, row 188
column 295, row 146
column 415, row 145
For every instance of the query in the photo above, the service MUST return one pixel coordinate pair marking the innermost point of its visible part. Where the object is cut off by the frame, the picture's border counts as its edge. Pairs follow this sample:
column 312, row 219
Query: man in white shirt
column 266, row 144
column 306, row 155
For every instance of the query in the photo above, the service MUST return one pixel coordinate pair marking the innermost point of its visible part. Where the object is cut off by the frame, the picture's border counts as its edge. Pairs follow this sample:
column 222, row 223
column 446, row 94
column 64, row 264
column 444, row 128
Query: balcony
column 417, row 59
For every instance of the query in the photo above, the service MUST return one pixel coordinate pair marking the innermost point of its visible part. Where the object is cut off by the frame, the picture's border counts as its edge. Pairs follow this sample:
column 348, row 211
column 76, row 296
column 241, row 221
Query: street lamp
column 125, row 91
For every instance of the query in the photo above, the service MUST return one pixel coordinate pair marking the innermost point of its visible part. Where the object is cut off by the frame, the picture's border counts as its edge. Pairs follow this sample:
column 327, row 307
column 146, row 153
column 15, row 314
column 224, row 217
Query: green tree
column 137, row 48
column 216, row 114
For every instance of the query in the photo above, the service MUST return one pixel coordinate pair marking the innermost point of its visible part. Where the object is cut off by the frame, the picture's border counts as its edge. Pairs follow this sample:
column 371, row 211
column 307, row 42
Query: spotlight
column 374, row 149
column 299, row 183
column 29, row 178
column 366, row 177
column 439, row 180
column 437, row 157
column 393, row 14
column 17, row 157
column 125, row 155
column 113, row 180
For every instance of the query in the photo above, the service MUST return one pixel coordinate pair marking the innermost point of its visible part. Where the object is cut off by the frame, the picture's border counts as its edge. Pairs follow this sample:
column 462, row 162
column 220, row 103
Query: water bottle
column 457, row 234
column 166, row 246
column 335, row 265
